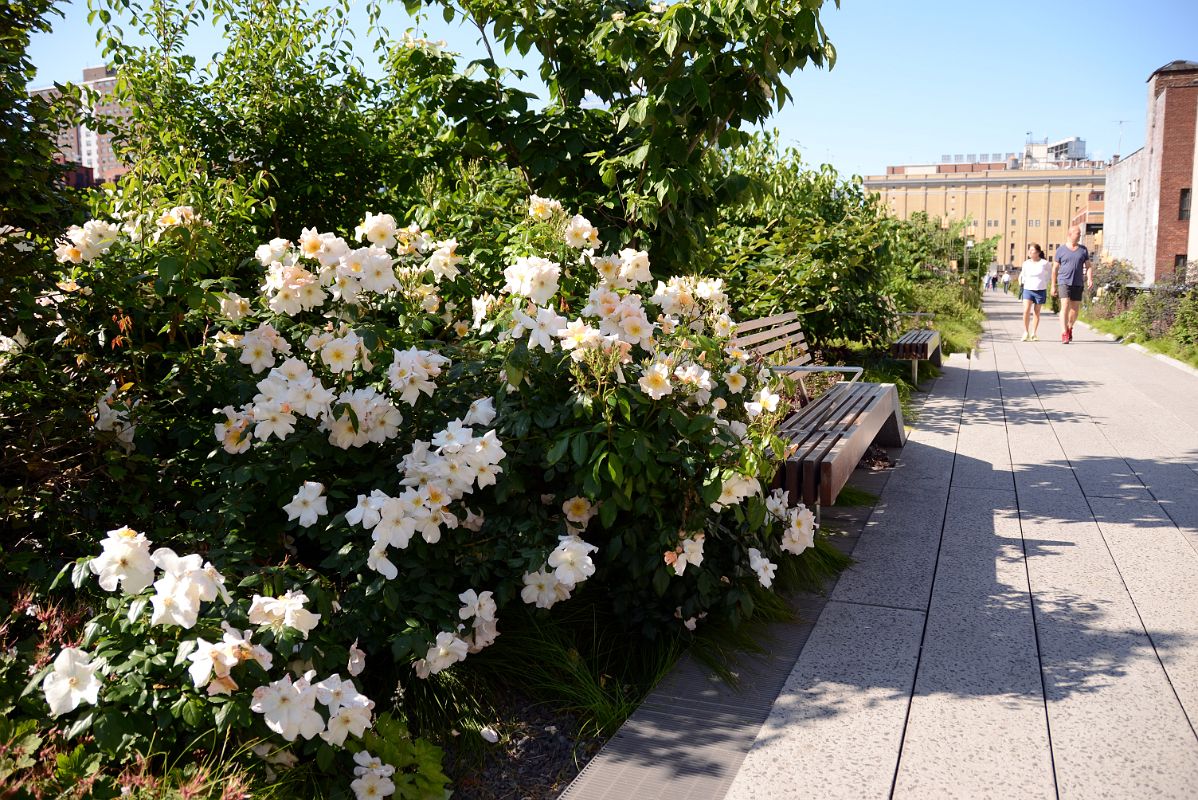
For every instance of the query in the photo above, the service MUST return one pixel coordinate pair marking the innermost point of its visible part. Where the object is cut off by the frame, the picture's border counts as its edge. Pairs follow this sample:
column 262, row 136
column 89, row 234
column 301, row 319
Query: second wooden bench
column 918, row 344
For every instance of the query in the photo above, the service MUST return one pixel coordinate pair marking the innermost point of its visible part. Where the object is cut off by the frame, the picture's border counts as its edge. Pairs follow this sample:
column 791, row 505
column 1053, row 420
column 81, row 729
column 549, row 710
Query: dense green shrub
column 1185, row 321
column 806, row 240
column 1152, row 314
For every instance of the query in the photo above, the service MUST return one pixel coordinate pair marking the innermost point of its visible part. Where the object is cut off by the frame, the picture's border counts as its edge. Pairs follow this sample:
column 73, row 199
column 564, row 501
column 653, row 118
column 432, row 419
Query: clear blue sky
column 913, row 80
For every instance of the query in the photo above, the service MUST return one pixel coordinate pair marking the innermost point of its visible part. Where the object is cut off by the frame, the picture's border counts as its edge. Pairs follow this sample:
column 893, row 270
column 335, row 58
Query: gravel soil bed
column 538, row 753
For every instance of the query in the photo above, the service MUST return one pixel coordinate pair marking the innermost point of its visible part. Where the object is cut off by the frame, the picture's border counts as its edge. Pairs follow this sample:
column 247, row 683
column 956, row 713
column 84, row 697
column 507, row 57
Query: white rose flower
column 125, row 560
column 308, row 505
column 72, row 681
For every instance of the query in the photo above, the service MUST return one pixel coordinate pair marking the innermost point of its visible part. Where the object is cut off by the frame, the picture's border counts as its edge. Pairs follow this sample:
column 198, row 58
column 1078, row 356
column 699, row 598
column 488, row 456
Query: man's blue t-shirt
column 1071, row 265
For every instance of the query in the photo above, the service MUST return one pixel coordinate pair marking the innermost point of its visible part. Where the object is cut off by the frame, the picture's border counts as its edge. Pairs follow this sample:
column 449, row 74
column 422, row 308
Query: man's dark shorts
column 1074, row 293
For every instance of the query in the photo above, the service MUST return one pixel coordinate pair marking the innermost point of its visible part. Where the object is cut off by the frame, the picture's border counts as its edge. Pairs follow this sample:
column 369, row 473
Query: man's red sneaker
column 1070, row 334
column 1065, row 337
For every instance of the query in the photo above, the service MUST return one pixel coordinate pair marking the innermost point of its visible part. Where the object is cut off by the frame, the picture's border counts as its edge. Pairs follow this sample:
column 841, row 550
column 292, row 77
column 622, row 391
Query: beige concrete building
column 997, row 199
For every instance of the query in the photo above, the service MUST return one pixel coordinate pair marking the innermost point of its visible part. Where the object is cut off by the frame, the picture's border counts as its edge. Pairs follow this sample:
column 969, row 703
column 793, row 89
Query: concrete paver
column 838, row 720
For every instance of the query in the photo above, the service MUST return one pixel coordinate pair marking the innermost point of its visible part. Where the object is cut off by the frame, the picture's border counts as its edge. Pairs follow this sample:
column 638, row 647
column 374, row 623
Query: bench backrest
column 783, row 332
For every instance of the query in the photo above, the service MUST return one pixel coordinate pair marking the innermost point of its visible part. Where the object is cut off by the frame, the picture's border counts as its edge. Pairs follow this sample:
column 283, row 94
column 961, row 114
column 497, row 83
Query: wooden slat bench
column 918, row 344
column 828, row 435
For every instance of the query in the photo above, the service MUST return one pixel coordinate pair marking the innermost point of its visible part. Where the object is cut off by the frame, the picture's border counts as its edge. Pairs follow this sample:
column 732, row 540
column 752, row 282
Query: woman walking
column 1034, row 279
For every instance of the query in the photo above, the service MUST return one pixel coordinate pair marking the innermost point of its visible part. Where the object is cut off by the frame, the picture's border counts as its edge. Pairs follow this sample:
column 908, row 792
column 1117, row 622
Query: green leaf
column 169, row 268
column 81, row 572
column 615, row 467
column 558, row 450
column 81, row 725
column 578, row 449
column 639, row 155
column 325, row 756
column 193, row 712
column 607, row 514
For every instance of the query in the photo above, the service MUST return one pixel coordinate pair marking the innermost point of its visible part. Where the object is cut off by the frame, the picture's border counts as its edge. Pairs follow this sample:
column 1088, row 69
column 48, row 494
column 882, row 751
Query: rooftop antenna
column 1119, row 149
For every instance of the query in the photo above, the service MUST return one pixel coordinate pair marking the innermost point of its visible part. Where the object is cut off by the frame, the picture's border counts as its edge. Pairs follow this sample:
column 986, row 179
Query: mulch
column 539, row 752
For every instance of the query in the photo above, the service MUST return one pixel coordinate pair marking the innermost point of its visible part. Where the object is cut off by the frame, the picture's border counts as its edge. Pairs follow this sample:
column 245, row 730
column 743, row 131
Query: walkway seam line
column 898, row 761
column 1027, row 572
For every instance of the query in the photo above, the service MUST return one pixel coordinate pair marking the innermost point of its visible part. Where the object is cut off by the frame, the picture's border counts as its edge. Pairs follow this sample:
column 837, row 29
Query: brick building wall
column 1175, row 103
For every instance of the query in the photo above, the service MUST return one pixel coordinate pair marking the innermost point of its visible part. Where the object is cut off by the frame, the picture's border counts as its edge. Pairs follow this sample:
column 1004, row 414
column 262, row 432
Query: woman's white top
column 1034, row 274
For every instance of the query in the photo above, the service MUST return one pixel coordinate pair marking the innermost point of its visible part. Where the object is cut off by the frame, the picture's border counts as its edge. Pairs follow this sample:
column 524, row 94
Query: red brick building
column 1149, row 194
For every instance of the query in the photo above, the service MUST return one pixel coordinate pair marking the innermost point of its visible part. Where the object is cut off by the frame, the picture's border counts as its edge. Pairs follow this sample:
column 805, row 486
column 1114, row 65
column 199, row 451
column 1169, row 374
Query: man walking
column 1072, row 274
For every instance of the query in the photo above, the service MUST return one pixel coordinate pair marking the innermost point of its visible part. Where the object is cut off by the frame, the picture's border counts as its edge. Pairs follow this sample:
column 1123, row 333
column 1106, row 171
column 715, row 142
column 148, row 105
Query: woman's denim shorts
column 1037, row 296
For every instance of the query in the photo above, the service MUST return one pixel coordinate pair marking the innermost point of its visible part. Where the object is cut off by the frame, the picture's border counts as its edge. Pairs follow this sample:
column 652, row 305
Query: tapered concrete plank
column 981, row 552
column 895, row 558
column 977, row 726
column 836, row 727
column 1117, row 727
column 1160, row 568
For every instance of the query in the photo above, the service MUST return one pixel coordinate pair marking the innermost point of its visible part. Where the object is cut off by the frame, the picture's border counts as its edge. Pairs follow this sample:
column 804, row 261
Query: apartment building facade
column 80, row 144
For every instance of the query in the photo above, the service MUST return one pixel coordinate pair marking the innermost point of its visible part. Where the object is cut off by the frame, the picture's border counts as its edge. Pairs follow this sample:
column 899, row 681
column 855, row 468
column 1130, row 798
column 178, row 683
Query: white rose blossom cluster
column 543, row 208
column 186, row 582
column 689, row 552
column 81, row 244
column 291, row 390
column 451, row 647
column 345, row 272
column 581, row 234
column 372, row 778
column 435, row 475
column 735, row 489
column 799, row 532
column 616, row 319
column 569, row 564
column 288, row 706
column 435, row 49
column 72, row 681
column 179, row 216
column 764, row 568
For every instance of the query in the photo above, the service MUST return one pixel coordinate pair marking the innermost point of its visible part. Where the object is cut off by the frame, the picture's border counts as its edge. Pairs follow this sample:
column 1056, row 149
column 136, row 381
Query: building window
column 1013, row 222
column 1179, row 264
column 1183, row 208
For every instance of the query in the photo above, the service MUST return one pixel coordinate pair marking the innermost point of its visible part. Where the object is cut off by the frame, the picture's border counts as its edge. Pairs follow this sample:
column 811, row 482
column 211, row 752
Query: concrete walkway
column 1022, row 619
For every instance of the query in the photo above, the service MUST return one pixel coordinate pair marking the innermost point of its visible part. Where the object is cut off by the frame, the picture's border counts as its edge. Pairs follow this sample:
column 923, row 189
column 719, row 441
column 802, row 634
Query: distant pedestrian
column 1034, row 278
column 1072, row 274
column 1006, row 281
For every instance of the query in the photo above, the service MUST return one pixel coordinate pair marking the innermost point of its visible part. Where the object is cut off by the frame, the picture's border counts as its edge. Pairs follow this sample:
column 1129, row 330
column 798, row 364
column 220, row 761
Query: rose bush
column 399, row 452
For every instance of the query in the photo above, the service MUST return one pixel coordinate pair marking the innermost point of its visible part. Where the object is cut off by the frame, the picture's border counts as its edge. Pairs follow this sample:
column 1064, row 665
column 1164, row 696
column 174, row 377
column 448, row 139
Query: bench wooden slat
column 773, row 333
column 840, row 461
column 775, row 346
column 832, row 405
column 754, row 324
column 917, row 345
